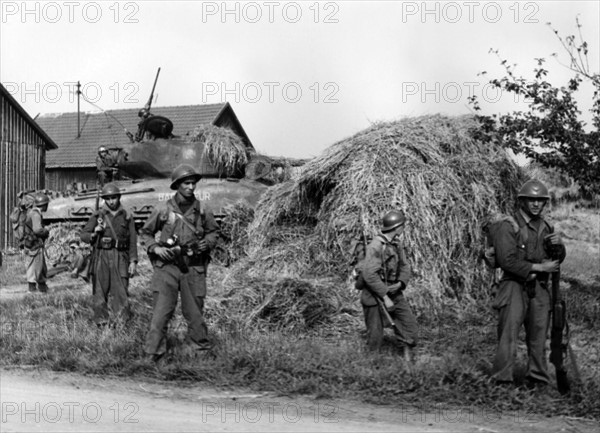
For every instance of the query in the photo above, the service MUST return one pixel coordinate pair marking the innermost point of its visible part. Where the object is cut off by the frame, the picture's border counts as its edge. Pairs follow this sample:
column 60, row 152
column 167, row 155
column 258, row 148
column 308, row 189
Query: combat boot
column 42, row 287
column 32, row 287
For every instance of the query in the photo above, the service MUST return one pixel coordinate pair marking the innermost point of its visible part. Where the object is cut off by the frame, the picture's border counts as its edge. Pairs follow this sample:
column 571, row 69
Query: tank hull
column 141, row 197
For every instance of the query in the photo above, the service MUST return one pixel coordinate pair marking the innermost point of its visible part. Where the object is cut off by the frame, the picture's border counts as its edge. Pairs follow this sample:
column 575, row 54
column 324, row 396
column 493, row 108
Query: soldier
column 180, row 259
column 523, row 296
column 386, row 272
column 106, row 166
column 111, row 231
column 76, row 259
column 37, row 270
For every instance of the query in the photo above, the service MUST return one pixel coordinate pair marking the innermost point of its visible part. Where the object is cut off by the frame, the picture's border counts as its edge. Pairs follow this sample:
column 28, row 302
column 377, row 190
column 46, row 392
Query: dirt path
column 33, row 400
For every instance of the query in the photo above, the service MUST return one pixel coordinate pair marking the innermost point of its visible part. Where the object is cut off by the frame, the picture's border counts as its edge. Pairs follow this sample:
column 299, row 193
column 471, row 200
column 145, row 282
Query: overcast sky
column 299, row 75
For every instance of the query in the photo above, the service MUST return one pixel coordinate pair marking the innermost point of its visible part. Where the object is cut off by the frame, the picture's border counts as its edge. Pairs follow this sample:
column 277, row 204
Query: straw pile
column 222, row 148
column 431, row 167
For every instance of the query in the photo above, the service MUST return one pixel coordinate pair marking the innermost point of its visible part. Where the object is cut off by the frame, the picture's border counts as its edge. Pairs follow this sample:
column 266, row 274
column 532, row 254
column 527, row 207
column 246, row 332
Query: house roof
column 50, row 144
column 107, row 128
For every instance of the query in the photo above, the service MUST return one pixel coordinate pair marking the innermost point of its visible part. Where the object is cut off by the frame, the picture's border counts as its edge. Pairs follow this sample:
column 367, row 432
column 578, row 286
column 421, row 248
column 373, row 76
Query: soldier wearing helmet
column 523, row 296
column 111, row 232
column 37, row 270
column 106, row 166
column 386, row 273
column 180, row 259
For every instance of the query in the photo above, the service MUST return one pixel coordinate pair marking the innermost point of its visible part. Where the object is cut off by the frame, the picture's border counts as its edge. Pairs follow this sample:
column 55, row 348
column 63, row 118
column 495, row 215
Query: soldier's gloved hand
column 132, row 268
column 164, row 253
column 389, row 304
column 549, row 266
column 202, row 246
column 553, row 239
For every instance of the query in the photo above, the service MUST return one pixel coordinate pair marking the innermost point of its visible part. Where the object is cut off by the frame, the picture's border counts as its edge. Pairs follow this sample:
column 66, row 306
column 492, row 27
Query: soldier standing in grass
column 180, row 259
column 523, row 296
column 111, row 231
column 37, row 270
column 386, row 272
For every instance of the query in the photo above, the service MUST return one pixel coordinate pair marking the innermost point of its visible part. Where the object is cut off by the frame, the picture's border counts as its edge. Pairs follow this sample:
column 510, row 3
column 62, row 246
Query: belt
column 107, row 243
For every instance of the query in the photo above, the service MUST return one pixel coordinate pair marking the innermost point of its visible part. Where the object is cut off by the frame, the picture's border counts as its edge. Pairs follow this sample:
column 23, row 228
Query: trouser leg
column 165, row 290
column 510, row 319
column 536, row 328
column 118, row 298
column 405, row 320
column 100, row 289
column 192, row 308
column 36, row 267
column 374, row 326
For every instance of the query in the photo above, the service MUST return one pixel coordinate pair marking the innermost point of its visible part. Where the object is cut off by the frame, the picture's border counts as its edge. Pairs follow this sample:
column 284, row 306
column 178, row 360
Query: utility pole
column 78, row 121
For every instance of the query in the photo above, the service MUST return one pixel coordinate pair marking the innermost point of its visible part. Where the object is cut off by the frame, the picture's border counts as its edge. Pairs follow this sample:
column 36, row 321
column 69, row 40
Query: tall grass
column 451, row 368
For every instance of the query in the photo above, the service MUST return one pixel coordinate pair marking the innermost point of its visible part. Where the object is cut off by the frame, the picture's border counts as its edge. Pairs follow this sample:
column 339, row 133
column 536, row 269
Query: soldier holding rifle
column 111, row 231
column 180, row 259
column 524, row 296
column 386, row 272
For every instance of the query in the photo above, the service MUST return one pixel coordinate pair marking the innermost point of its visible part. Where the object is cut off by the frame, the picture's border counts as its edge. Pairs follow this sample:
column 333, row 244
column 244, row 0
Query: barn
column 23, row 146
column 74, row 161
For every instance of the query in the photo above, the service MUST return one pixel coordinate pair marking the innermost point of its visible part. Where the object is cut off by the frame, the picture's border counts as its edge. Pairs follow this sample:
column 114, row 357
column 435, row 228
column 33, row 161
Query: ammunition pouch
column 530, row 288
column 108, row 243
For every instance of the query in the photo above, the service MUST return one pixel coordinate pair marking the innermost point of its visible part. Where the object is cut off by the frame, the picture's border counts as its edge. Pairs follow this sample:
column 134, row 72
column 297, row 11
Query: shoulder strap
column 109, row 222
column 184, row 220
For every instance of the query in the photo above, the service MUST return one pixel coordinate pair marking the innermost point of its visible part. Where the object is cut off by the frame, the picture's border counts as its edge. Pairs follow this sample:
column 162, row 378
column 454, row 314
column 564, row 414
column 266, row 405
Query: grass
column 255, row 347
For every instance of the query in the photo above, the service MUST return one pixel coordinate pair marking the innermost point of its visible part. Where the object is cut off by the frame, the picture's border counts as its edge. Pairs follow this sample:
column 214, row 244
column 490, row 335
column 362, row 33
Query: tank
column 143, row 168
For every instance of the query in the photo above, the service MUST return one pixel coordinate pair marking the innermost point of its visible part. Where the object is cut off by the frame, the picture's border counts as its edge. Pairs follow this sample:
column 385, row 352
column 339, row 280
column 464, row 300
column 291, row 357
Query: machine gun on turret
column 154, row 126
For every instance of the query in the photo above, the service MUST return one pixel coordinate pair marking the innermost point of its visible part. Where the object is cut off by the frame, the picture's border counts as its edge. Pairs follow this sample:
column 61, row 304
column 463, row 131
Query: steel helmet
column 109, row 190
column 102, row 149
column 183, row 172
column 40, row 199
column 392, row 219
column 533, row 189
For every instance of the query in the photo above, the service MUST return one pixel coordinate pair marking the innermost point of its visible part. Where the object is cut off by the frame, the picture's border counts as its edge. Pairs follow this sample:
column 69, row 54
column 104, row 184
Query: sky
column 299, row 75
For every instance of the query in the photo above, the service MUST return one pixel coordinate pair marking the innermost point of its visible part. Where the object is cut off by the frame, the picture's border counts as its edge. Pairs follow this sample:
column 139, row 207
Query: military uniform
column 37, row 269
column 113, row 252
column 519, row 302
column 185, row 273
column 105, row 166
column 385, row 264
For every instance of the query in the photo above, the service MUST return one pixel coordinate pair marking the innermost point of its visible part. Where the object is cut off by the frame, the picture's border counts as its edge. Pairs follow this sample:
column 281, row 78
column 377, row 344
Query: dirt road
column 33, row 400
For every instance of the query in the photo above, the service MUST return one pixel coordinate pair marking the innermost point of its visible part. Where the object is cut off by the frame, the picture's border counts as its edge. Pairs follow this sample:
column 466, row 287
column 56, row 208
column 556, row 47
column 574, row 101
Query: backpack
column 489, row 228
column 358, row 251
column 22, row 231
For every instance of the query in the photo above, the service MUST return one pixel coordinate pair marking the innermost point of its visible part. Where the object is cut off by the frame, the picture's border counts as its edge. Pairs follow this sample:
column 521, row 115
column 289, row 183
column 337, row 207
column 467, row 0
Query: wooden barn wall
column 22, row 163
column 57, row 179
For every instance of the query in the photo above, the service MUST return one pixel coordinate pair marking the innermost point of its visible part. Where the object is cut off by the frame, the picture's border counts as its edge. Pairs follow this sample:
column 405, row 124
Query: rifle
column 560, row 328
column 57, row 269
column 388, row 321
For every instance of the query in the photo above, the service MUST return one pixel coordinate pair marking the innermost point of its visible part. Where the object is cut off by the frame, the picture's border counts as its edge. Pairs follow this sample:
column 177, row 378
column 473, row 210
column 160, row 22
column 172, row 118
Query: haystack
column 222, row 148
column 432, row 167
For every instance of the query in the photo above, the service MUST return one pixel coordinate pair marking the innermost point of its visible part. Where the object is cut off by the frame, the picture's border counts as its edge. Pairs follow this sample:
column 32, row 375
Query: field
column 304, row 336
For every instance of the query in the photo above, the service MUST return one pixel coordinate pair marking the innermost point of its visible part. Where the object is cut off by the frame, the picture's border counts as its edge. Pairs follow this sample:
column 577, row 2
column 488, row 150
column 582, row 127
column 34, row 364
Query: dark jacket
column 125, row 238
column 169, row 221
column 517, row 251
column 384, row 264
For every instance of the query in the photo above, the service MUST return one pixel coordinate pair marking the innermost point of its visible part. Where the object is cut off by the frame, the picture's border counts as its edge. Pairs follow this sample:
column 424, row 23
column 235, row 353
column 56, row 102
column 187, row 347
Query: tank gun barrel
column 149, row 103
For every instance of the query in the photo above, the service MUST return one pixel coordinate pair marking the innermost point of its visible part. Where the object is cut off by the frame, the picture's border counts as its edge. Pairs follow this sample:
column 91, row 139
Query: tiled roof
column 102, row 129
